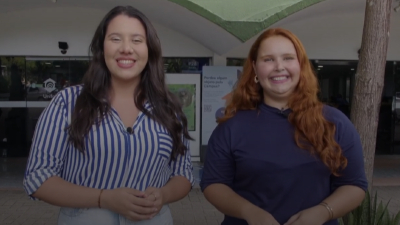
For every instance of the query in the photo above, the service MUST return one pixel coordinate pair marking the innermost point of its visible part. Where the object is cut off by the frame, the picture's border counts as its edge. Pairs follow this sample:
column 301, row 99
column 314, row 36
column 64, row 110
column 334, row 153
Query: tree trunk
column 370, row 78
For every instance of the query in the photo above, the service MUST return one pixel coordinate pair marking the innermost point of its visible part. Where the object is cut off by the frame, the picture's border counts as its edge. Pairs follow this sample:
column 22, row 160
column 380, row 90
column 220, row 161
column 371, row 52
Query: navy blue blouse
column 255, row 154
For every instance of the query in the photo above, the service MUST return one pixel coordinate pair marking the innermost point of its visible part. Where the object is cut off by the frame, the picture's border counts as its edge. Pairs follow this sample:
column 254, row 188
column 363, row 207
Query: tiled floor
column 17, row 209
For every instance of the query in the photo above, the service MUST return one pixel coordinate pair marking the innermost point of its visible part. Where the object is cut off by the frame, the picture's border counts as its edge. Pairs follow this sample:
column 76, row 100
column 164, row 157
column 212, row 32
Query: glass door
column 12, row 107
column 26, row 87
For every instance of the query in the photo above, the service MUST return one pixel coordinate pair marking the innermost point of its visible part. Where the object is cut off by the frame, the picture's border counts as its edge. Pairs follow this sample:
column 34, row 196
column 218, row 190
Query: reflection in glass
column 26, row 87
column 185, row 65
column 12, row 97
column 235, row 62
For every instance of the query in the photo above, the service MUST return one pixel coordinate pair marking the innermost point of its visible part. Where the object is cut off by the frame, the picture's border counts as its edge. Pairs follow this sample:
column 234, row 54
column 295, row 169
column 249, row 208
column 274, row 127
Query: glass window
column 185, row 65
column 26, row 87
column 13, row 111
column 12, row 79
column 235, row 62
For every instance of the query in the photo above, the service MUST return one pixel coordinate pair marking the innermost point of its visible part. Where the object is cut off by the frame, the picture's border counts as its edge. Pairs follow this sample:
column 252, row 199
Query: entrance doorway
column 27, row 84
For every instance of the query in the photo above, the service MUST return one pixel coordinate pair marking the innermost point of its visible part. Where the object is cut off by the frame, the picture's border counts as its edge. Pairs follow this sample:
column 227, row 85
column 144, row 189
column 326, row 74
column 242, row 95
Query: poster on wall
column 218, row 83
column 186, row 93
column 187, row 88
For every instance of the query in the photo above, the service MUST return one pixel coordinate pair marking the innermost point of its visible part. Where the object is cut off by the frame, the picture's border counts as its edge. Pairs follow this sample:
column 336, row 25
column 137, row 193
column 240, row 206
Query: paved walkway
column 17, row 209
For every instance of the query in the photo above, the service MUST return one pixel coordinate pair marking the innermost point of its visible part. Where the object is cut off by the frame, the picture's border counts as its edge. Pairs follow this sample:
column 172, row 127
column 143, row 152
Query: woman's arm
column 176, row 189
column 46, row 161
column 344, row 199
column 57, row 191
column 230, row 203
column 348, row 189
column 182, row 180
column 128, row 202
column 217, row 179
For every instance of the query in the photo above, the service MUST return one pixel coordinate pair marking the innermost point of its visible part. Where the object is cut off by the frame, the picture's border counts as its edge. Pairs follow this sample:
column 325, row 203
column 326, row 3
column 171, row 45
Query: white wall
column 36, row 33
column 330, row 36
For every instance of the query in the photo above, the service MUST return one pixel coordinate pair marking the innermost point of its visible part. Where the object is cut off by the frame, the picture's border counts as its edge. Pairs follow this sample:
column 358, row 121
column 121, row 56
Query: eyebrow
column 133, row 35
column 285, row 54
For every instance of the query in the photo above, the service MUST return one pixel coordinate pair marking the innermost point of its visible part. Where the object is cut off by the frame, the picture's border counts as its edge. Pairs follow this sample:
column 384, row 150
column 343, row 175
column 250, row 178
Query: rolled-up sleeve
column 49, row 145
column 349, row 140
column 183, row 166
column 219, row 166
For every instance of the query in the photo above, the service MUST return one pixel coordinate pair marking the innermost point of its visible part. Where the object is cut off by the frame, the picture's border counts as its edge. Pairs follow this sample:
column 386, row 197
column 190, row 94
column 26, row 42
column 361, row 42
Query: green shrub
column 370, row 213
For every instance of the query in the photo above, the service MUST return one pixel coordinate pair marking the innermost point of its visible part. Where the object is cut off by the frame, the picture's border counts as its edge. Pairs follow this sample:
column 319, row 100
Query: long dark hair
column 93, row 102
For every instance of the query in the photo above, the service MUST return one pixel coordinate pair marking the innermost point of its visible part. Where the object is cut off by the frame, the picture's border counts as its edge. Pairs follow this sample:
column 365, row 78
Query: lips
column 279, row 79
column 126, row 63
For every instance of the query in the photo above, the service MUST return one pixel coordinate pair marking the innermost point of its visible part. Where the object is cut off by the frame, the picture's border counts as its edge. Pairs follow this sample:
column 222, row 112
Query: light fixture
column 320, row 66
column 352, row 68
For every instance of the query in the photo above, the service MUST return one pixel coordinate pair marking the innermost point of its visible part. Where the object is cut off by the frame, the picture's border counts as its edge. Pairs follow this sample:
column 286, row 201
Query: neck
column 279, row 104
column 123, row 89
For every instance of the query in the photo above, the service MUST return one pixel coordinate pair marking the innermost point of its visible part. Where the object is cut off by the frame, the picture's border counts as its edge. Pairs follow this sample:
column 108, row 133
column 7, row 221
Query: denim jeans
column 96, row 216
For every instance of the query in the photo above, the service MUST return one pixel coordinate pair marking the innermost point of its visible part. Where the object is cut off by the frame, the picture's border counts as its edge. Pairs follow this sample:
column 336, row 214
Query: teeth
column 125, row 61
column 279, row 78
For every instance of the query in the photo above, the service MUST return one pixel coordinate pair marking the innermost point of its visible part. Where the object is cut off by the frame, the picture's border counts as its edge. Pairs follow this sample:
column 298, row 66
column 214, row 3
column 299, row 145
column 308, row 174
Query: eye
column 115, row 39
column 289, row 58
column 268, row 59
column 137, row 41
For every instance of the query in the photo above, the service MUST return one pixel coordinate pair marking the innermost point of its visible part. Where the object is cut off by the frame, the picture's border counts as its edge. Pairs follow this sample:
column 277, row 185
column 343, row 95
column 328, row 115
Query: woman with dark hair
column 279, row 156
column 114, row 149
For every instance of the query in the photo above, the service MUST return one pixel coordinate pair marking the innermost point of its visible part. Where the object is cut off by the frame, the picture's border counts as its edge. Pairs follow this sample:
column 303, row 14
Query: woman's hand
column 156, row 196
column 316, row 215
column 130, row 203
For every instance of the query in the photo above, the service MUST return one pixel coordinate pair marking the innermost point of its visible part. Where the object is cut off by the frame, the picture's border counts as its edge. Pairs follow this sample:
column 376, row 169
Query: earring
column 256, row 79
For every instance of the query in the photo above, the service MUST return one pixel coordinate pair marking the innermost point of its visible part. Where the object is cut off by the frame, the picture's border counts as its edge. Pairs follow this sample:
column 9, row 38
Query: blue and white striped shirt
column 113, row 158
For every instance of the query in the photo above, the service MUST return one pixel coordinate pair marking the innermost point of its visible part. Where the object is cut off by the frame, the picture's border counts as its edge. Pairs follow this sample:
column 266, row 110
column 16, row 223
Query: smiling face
column 278, row 69
column 125, row 48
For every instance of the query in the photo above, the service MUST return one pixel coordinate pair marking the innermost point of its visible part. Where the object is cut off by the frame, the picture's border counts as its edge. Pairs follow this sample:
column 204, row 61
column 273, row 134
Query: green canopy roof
column 245, row 18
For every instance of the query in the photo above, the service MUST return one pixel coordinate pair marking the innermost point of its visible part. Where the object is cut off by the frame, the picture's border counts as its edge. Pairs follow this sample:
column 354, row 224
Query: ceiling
column 244, row 19
column 221, row 25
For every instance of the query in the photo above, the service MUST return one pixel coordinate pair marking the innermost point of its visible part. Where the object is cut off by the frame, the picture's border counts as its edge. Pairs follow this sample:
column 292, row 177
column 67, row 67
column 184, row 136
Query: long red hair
column 312, row 131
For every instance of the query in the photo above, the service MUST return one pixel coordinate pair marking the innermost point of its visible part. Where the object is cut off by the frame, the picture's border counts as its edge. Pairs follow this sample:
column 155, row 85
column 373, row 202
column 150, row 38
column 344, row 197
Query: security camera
column 63, row 46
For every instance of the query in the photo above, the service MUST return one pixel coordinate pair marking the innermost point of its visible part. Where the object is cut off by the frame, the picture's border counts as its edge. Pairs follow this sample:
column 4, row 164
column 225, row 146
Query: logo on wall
column 49, row 85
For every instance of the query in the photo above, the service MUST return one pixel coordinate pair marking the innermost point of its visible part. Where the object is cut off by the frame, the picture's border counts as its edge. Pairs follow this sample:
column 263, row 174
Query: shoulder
column 334, row 115
column 344, row 127
column 67, row 96
column 241, row 117
column 239, row 120
column 71, row 93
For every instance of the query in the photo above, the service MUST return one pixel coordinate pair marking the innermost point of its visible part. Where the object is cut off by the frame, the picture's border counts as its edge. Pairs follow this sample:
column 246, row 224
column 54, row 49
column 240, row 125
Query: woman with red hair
column 279, row 156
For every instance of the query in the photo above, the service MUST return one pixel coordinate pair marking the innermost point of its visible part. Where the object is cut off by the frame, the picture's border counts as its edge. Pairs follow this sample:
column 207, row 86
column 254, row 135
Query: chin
column 125, row 77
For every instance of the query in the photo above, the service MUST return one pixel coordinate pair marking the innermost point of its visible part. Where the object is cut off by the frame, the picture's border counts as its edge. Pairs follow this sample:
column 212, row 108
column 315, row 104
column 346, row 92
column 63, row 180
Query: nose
column 126, row 47
column 279, row 65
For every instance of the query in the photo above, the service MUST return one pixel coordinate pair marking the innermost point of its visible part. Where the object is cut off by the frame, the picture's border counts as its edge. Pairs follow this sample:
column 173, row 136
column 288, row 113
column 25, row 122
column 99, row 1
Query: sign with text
column 218, row 83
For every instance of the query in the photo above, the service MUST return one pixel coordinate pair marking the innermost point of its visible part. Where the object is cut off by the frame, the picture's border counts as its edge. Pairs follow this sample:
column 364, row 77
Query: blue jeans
column 96, row 216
